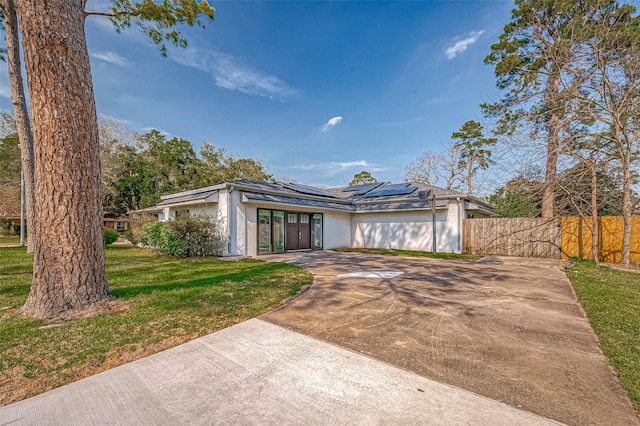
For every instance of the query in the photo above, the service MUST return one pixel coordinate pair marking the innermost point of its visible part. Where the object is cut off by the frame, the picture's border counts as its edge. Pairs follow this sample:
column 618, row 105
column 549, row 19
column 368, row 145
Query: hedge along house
column 263, row 217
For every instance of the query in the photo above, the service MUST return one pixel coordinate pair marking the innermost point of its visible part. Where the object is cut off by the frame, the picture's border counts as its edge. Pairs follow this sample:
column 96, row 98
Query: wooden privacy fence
column 523, row 237
column 577, row 237
column 549, row 238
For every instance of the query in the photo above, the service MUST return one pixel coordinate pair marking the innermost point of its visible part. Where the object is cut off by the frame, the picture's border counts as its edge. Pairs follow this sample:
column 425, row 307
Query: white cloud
column 458, row 46
column 103, row 116
column 111, row 57
column 333, row 121
column 230, row 74
column 335, row 168
column 162, row 132
column 348, row 164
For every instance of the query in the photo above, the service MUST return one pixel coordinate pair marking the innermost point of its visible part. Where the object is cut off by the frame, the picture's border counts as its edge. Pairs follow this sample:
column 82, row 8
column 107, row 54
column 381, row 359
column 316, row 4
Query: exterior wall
column 336, row 225
column 408, row 230
column 203, row 209
column 336, row 229
column 238, row 244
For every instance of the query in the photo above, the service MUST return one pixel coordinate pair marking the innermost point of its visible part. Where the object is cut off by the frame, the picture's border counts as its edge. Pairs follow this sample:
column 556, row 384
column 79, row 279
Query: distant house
column 280, row 217
column 117, row 223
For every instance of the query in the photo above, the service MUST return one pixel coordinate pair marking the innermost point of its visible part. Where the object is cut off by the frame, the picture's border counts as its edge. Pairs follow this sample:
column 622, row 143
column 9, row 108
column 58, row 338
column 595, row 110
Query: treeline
column 569, row 72
column 136, row 168
column 521, row 196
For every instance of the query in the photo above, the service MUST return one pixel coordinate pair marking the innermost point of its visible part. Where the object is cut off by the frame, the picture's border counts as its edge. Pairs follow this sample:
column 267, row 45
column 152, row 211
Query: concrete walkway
column 260, row 373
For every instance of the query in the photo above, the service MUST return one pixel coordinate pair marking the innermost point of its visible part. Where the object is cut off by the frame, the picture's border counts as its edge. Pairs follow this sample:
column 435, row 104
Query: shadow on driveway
column 507, row 329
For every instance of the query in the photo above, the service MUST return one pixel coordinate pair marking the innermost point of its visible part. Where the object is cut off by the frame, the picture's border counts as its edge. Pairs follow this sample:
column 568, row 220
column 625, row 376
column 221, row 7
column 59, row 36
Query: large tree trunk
column 20, row 112
column 553, row 145
column 469, row 177
column 69, row 264
column 626, row 211
column 595, row 229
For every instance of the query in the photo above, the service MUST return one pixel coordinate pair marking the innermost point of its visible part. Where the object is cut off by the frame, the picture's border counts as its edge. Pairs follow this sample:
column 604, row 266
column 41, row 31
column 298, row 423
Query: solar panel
column 362, row 189
column 310, row 190
column 395, row 189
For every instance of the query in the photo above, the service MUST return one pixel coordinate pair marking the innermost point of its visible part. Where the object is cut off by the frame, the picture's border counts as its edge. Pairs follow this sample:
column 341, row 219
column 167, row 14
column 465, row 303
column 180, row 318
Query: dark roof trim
column 399, row 206
column 294, row 201
column 202, row 197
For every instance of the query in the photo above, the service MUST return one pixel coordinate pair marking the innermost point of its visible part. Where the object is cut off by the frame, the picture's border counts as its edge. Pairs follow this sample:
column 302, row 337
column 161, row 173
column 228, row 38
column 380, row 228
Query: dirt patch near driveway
column 510, row 330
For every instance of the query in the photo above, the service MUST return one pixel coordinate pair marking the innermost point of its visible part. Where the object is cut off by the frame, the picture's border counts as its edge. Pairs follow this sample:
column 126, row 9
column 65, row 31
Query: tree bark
column 626, row 212
column 549, row 188
column 20, row 112
column 69, row 271
column 469, row 177
column 595, row 228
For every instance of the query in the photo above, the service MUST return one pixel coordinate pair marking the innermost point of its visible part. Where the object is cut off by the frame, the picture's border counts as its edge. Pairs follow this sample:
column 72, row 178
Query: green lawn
column 160, row 302
column 10, row 240
column 611, row 299
column 413, row 253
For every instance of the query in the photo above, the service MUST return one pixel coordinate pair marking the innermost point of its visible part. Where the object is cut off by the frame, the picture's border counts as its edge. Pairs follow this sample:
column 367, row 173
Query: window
column 292, row 218
column 317, row 231
column 278, row 230
column 264, row 231
column 304, row 218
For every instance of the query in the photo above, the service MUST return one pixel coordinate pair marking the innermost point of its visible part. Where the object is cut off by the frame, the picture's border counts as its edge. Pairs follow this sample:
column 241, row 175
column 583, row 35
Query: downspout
column 459, row 225
column 229, row 219
column 434, row 244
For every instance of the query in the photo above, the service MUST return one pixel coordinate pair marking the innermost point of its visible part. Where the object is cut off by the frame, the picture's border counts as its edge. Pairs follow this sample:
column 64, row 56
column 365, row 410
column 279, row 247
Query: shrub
column 136, row 222
column 110, row 236
column 128, row 234
column 204, row 235
column 149, row 234
column 186, row 236
column 5, row 225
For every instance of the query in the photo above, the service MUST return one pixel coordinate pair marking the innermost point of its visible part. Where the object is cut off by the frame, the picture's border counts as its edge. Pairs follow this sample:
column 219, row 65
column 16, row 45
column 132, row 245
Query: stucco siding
column 407, row 230
column 337, row 230
column 196, row 209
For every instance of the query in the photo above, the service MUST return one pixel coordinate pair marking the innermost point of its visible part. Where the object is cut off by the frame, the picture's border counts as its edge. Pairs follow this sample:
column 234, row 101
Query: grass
column 9, row 240
column 160, row 302
column 412, row 253
column 611, row 299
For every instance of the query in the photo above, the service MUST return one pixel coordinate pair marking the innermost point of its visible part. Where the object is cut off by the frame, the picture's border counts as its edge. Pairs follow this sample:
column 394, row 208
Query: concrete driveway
column 507, row 329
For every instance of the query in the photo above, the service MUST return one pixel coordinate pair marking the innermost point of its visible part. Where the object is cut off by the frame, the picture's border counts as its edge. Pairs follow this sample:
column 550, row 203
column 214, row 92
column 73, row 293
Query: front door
column 298, row 235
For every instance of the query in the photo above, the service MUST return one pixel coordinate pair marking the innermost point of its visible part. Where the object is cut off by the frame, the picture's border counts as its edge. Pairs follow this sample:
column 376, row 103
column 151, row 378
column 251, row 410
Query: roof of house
column 379, row 196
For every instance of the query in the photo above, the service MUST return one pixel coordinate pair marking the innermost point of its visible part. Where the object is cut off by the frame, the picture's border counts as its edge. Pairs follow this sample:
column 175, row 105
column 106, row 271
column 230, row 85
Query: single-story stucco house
column 275, row 217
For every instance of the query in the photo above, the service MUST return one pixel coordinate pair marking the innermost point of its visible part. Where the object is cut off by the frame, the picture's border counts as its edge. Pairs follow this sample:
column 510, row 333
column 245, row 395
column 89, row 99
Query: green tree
column 362, row 178
column 136, row 174
column 22, row 122
column 9, row 175
column 473, row 149
column 217, row 166
column 69, row 261
column 575, row 188
column 173, row 162
column 610, row 95
column 114, row 140
column 532, row 59
column 519, row 197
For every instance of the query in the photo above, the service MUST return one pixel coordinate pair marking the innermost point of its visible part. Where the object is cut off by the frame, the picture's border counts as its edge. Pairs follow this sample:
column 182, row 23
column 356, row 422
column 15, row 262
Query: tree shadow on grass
column 262, row 271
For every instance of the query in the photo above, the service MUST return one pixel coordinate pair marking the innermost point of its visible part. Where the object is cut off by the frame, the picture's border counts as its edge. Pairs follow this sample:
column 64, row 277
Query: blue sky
column 316, row 90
